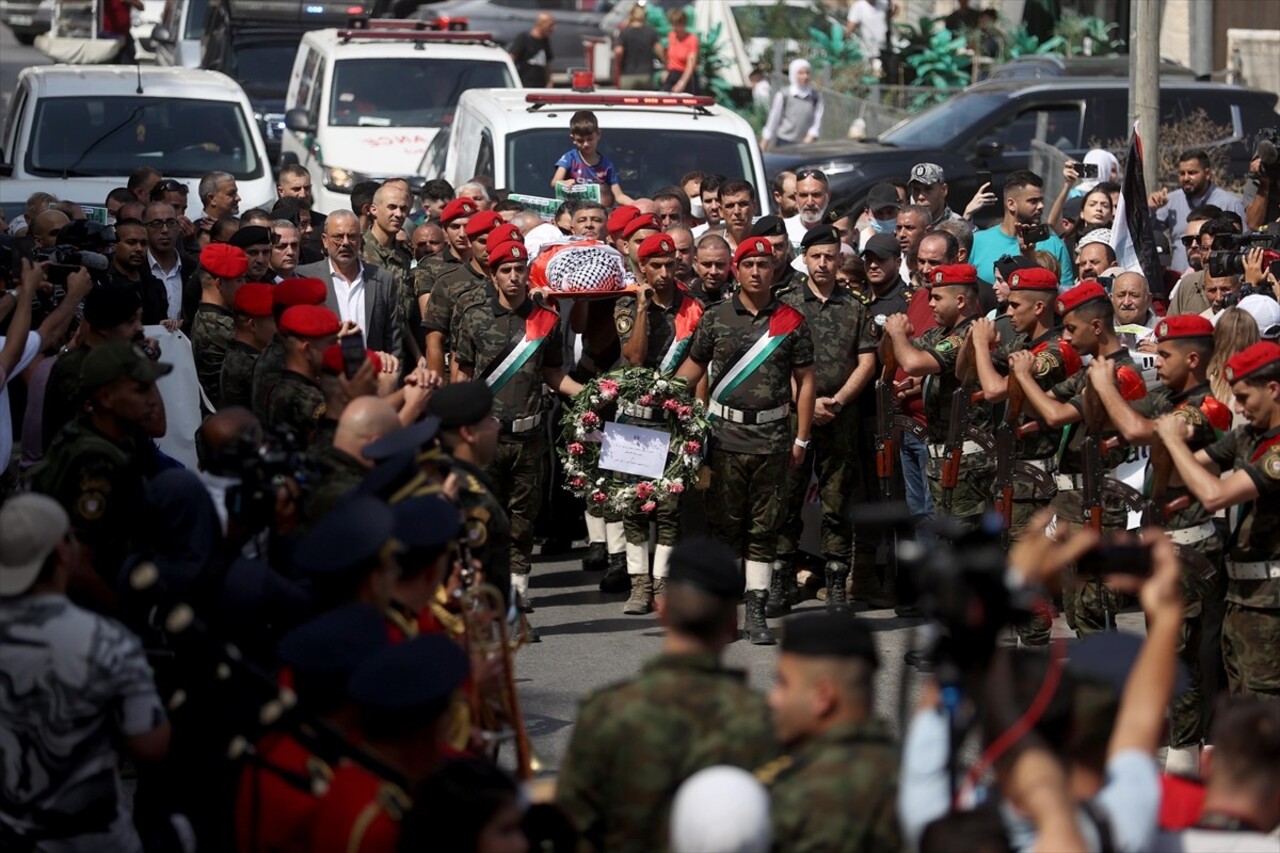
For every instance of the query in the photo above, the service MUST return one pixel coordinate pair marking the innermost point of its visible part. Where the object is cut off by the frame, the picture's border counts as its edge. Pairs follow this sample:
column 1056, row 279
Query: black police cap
column 834, row 214
column 426, row 522
column 406, row 439
column 409, row 676
column 250, row 235
column 346, row 538
column 820, row 235
column 769, row 226
column 461, row 404
column 707, row 564
column 390, row 476
column 830, row 633
column 335, row 643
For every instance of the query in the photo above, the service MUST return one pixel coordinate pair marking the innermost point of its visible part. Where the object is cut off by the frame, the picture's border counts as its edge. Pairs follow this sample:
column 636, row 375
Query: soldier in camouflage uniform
column 656, row 327
column 836, row 788
column 1183, row 347
column 711, row 260
column 1251, row 627
column 255, row 328
column 636, row 742
column 752, row 347
column 1088, row 322
column 1032, row 296
column 267, row 369
column 844, row 358
column 222, row 271
column 439, row 320
column 391, row 204
column 954, row 297
column 514, row 346
column 456, row 254
column 297, row 402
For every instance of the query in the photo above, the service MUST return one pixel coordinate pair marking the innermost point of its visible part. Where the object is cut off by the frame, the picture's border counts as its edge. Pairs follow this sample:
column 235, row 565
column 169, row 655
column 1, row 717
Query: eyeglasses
column 805, row 174
column 343, row 238
column 162, row 224
column 172, row 186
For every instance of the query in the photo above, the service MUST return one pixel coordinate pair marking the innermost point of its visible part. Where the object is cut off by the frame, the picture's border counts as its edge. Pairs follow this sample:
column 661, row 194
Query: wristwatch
column 802, row 442
column 837, row 406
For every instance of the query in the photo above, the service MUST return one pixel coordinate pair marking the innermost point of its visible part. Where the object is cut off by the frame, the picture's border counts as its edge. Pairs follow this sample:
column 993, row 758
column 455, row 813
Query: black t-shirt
column 532, row 57
column 637, row 49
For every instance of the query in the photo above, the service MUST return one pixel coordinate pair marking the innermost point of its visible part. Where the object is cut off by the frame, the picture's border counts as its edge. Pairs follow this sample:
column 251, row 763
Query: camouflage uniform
column 212, row 329
column 710, row 297
column 1251, row 628
column 837, row 791
column 266, row 373
column 430, row 269
column 296, row 403
column 636, row 742
column 840, row 333
column 1201, row 559
column 236, row 382
column 749, row 462
column 396, row 259
column 484, row 331
column 63, row 399
column 339, row 474
column 454, row 291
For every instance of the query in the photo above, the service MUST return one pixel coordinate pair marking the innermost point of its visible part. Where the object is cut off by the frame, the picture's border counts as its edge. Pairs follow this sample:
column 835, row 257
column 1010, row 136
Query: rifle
column 886, row 412
column 1095, row 468
column 1158, row 509
column 962, row 400
column 1006, row 437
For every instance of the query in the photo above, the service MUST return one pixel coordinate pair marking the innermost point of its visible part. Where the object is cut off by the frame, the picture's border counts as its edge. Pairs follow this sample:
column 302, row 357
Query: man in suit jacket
column 357, row 291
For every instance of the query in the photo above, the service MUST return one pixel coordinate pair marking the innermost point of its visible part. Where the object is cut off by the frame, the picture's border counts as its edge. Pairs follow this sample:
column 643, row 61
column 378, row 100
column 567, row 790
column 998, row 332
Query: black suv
column 989, row 127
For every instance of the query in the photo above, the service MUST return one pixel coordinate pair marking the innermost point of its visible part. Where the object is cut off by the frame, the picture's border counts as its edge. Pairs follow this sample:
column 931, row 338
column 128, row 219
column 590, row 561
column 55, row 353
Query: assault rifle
column 1006, row 438
column 958, row 430
column 1095, row 467
column 886, row 414
column 1158, row 509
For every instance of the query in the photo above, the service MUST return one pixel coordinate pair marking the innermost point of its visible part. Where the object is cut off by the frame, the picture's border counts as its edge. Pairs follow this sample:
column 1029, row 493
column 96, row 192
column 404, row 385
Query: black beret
column 426, row 522
column 820, row 235
column 413, row 675
column 336, row 642
column 829, row 633
column 707, row 564
column 110, row 305
column 461, row 404
column 834, row 214
column 251, row 235
column 346, row 538
column 407, row 439
column 769, row 226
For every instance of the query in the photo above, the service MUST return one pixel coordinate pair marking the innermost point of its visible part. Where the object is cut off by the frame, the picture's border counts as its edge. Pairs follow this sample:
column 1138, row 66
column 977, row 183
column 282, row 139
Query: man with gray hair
column 219, row 195
column 477, row 192
column 286, row 244
column 1131, row 297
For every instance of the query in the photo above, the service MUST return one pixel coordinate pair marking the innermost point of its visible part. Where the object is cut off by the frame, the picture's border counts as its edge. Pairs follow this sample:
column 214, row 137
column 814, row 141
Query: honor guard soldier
column 656, row 327
column 402, row 693
column 255, row 328
column 267, row 369
column 296, row 401
column 836, row 787
column 844, row 358
column 427, row 528
column 1251, row 627
column 1184, row 345
column 514, row 345
column 456, row 254
column 441, row 317
column 222, row 272
column 1088, row 326
column 953, row 294
column 752, row 347
column 635, row 742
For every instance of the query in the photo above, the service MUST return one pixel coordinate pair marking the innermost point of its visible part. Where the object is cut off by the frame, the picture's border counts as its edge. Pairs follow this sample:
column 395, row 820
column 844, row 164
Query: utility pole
column 1144, row 72
column 1202, row 36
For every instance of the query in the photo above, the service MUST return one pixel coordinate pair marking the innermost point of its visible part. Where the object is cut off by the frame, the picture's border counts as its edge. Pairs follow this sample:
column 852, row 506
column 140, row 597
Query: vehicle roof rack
column 538, row 100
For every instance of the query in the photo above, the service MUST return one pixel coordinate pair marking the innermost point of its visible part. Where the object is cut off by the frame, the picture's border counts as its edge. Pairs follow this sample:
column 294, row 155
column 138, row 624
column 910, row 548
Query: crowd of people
column 302, row 642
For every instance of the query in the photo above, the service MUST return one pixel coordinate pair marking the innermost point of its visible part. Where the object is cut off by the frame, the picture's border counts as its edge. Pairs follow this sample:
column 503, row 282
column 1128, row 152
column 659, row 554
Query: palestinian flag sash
column 784, row 321
column 687, row 317
column 519, row 350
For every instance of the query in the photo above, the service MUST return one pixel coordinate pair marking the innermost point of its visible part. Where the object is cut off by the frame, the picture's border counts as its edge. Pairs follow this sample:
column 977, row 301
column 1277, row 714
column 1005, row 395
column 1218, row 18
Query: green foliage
column 1075, row 29
column 833, row 50
column 710, row 66
column 1022, row 43
column 941, row 65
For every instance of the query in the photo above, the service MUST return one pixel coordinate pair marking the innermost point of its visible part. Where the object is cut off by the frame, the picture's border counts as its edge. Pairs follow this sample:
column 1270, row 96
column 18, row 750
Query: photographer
column 1262, row 195
column 1259, row 274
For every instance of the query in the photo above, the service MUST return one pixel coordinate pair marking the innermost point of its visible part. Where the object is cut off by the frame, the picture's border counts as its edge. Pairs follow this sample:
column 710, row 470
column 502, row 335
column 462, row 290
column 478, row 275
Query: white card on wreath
column 634, row 450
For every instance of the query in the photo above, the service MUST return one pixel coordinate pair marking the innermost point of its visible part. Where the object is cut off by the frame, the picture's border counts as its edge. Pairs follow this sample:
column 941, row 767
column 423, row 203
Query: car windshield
column 646, row 161
column 90, row 135
column 195, row 19
column 945, row 123
column 263, row 68
column 413, row 93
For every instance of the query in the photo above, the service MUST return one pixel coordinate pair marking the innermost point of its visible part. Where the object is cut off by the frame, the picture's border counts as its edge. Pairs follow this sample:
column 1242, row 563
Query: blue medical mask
column 885, row 226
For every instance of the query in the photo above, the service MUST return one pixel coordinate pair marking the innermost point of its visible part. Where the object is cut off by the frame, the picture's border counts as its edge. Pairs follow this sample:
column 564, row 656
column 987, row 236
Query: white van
column 515, row 137
column 73, row 129
column 364, row 104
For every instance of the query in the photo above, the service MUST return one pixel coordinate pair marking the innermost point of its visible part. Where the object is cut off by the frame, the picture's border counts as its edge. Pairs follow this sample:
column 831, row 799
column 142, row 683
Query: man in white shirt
column 869, row 20
column 812, row 197
column 163, row 256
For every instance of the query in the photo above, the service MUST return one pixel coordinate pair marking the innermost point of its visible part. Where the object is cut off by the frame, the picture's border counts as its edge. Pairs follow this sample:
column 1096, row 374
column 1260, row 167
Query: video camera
column 1227, row 256
column 263, row 469
column 1266, row 148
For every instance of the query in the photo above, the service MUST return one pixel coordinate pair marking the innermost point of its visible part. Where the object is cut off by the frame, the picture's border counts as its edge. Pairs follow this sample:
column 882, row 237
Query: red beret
column 644, row 220
column 254, row 299
column 1184, row 326
column 1081, row 294
column 1251, row 359
column 945, row 276
column 309, row 321
column 224, row 260
column 457, row 209
column 505, row 233
column 334, row 364
column 1033, row 278
column 482, row 223
column 505, row 253
column 753, row 247
column 299, row 291
column 619, row 218
column 656, row 244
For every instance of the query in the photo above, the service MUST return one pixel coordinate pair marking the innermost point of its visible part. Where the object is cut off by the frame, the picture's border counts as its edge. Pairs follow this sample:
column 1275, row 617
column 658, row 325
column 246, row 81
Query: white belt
column 1069, row 482
column 1192, row 535
column 633, row 411
column 520, row 425
column 742, row 416
column 1259, row 571
column 939, row 451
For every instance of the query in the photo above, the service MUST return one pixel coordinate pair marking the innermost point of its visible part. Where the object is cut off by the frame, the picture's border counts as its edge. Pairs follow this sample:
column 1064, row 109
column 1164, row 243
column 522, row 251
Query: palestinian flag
column 1133, row 235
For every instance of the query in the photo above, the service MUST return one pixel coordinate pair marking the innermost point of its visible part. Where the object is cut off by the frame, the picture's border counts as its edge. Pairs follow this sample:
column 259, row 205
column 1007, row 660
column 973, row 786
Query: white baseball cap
column 1265, row 311
column 31, row 526
column 721, row 809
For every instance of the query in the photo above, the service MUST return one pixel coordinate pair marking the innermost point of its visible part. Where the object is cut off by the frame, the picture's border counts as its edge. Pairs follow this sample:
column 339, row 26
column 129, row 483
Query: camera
column 1266, row 148
column 66, row 259
column 263, row 468
column 1227, row 255
column 1087, row 170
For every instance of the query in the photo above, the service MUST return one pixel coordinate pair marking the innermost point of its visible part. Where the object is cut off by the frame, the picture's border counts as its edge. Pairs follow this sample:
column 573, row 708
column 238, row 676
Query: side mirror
column 161, row 35
column 297, row 119
column 988, row 148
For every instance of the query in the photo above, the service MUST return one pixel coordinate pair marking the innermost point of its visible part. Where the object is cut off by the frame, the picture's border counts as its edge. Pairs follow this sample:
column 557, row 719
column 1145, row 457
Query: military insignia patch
column 1045, row 363
column 1163, row 330
column 624, row 324
column 1271, row 464
column 1061, row 307
column 92, row 505
column 947, row 344
column 1230, row 374
column 477, row 533
column 760, row 246
column 321, row 408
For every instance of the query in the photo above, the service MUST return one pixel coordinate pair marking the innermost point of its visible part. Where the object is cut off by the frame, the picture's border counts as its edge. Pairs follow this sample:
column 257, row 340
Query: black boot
column 837, row 575
column 616, row 578
column 756, row 629
column 781, row 583
column 597, row 558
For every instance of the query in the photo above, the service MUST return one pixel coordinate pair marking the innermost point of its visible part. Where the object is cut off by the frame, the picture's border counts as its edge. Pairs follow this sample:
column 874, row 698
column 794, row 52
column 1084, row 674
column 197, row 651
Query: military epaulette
column 861, row 296
column 769, row 773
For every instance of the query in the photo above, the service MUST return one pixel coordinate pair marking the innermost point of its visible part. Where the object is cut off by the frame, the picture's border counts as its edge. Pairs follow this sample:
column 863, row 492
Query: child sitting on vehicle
column 584, row 164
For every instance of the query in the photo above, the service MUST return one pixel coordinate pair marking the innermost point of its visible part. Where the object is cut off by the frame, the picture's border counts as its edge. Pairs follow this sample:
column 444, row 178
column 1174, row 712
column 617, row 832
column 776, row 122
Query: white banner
column 180, row 390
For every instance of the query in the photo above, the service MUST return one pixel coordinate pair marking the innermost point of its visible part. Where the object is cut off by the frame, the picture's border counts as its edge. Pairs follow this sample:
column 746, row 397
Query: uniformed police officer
column 222, row 272
column 753, row 347
column 267, row 369
column 427, row 527
column 255, row 327
column 456, row 253
column 350, row 555
column 296, row 401
column 774, row 229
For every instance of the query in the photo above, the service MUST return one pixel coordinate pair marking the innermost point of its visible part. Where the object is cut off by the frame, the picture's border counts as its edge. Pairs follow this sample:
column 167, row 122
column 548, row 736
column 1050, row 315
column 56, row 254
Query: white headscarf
column 1108, row 169
column 793, row 71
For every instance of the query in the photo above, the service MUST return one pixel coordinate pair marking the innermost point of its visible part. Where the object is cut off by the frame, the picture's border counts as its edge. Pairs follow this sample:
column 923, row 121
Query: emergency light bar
column 545, row 98
column 418, row 36
column 441, row 24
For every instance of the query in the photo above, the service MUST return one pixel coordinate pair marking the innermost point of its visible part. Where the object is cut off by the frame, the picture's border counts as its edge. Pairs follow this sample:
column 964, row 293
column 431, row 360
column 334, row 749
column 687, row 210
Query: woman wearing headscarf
column 796, row 114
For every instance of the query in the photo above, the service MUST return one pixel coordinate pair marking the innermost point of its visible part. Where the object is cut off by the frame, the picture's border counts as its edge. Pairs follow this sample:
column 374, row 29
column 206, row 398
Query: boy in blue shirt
column 584, row 164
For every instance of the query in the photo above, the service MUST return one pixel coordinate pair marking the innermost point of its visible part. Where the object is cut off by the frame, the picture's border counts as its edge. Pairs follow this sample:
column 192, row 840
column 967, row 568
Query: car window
column 484, row 160
column 406, row 92
column 90, row 135
column 262, row 68
column 197, row 11
column 433, row 161
column 8, row 141
column 306, row 80
column 1057, row 124
column 646, row 161
column 945, row 123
